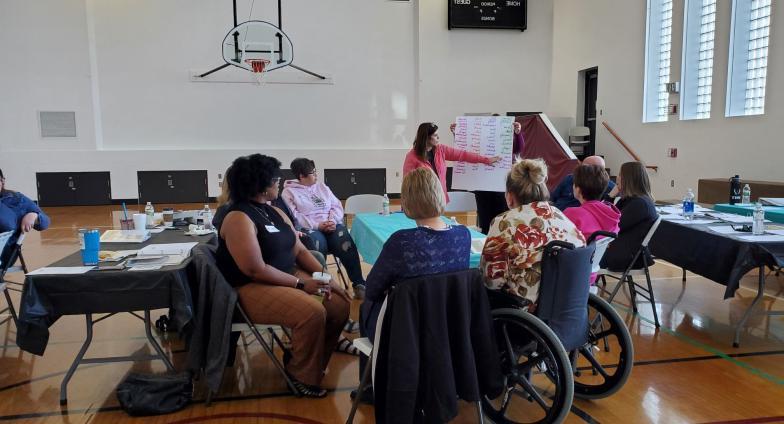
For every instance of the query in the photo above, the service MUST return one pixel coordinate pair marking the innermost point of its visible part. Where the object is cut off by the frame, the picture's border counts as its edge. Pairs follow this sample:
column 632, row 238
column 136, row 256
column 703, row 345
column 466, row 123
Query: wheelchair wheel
column 603, row 365
column 538, row 381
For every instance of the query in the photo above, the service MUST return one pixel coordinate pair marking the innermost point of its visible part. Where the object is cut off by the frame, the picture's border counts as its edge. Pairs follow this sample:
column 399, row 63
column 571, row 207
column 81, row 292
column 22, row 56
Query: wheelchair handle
column 597, row 234
column 558, row 244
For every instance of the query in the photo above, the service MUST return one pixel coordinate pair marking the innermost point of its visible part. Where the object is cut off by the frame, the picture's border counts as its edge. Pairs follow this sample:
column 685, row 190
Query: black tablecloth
column 722, row 258
column 46, row 298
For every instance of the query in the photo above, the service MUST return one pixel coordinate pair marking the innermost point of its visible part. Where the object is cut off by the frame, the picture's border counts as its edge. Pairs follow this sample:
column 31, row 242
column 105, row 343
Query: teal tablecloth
column 773, row 213
column 371, row 231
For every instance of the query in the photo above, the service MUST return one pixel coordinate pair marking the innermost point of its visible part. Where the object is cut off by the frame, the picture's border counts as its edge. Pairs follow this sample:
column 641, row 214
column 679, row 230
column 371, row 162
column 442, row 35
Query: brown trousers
column 315, row 327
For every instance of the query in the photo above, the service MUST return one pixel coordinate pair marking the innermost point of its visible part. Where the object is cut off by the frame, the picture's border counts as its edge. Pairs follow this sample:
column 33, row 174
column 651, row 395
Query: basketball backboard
column 257, row 40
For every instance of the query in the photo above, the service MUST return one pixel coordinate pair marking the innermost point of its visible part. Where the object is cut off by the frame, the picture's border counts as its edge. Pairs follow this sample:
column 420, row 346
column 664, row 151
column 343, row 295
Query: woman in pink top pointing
column 428, row 153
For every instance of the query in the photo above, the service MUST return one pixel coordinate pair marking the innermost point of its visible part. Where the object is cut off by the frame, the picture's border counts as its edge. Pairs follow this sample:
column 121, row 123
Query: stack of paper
column 163, row 254
column 772, row 201
column 124, row 236
column 61, row 270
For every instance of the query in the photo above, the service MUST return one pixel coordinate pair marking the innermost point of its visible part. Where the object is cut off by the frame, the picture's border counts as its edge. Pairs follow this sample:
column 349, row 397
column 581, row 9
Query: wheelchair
column 573, row 344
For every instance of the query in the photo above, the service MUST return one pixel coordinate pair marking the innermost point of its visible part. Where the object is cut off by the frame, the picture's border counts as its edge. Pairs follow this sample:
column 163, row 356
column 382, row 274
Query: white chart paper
column 487, row 136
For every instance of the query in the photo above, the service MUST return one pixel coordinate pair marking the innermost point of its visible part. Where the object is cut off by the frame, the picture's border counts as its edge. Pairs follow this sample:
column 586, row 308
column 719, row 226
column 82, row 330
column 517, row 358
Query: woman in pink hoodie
column 590, row 182
column 428, row 153
column 319, row 214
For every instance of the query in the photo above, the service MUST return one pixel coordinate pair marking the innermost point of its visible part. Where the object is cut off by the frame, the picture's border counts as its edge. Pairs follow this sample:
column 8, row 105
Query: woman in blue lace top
column 432, row 247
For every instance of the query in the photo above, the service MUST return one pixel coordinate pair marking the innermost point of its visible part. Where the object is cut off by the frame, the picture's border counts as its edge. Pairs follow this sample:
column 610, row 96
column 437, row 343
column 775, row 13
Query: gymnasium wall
column 610, row 34
column 124, row 66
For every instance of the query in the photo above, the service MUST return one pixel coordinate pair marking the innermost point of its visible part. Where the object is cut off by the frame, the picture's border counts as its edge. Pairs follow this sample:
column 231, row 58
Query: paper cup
column 322, row 276
column 139, row 222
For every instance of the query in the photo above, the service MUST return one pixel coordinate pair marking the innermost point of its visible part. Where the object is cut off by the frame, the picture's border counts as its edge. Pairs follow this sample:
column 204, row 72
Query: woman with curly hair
column 511, row 258
column 260, row 255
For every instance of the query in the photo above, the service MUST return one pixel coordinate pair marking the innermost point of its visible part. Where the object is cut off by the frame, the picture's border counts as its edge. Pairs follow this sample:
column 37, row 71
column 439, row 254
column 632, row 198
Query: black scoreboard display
column 491, row 14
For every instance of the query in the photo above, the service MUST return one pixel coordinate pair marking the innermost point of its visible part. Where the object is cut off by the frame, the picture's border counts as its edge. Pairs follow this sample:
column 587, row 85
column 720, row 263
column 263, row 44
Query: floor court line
column 717, row 352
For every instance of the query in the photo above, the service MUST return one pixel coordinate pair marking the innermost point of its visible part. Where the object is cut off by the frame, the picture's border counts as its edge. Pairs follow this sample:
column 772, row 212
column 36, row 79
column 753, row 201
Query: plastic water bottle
column 385, row 205
column 758, row 225
column 150, row 212
column 746, row 194
column 206, row 216
column 688, row 205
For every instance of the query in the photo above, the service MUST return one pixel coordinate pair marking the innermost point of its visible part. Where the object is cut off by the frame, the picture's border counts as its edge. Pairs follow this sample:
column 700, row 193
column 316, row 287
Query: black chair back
column 436, row 344
column 563, row 291
column 10, row 249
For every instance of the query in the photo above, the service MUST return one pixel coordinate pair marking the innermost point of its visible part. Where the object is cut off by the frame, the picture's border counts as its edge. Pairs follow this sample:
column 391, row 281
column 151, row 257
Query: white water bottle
column 206, row 216
column 385, row 205
column 688, row 205
column 758, row 225
column 746, row 199
column 149, row 210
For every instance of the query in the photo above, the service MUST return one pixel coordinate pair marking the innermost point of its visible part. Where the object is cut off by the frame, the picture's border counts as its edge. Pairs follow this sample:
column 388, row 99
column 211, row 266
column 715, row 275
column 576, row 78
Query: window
column 748, row 64
column 699, row 25
column 658, row 41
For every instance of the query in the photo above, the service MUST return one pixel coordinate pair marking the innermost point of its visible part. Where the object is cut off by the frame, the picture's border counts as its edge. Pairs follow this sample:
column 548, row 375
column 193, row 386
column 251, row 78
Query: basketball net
column 257, row 67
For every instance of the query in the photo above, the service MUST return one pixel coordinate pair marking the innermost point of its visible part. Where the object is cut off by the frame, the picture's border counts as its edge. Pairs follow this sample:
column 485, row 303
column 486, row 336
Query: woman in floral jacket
column 511, row 258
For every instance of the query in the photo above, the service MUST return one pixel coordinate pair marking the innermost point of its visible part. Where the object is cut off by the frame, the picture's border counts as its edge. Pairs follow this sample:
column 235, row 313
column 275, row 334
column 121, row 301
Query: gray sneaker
column 359, row 292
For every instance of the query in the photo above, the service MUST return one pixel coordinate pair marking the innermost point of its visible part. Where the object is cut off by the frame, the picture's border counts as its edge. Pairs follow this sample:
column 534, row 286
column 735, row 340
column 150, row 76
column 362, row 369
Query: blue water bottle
column 688, row 205
column 91, row 246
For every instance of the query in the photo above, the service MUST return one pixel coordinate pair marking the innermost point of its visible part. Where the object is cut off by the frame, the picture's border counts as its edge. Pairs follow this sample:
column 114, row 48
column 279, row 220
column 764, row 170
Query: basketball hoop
column 257, row 67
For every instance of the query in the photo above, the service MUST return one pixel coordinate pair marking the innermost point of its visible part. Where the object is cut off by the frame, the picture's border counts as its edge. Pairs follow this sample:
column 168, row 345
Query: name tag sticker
column 271, row 229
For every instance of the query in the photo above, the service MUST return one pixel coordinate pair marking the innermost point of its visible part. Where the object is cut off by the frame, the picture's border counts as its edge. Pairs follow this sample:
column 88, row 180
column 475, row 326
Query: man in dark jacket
column 563, row 195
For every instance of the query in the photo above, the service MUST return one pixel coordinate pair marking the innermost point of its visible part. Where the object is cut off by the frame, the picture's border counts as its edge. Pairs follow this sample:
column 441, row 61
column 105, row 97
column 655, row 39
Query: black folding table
column 45, row 298
column 723, row 258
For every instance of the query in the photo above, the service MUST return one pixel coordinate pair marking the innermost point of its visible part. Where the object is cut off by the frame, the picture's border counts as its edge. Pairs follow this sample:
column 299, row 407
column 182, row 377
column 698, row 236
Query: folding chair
column 630, row 271
column 243, row 323
column 366, row 347
column 601, row 246
column 14, row 253
column 268, row 345
column 364, row 203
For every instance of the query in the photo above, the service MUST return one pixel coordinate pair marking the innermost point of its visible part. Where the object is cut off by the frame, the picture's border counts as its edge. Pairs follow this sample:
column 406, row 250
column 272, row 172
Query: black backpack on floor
column 145, row 394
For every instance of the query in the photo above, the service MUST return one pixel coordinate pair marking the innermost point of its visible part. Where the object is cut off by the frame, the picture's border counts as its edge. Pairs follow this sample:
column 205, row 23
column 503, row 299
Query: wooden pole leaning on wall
column 626, row 146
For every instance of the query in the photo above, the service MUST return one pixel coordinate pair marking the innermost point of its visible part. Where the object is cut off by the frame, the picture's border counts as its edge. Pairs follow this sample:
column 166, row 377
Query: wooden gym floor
column 687, row 372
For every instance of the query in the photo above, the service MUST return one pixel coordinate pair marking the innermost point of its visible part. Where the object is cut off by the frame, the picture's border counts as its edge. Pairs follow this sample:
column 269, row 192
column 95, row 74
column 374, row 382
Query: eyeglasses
column 275, row 180
column 313, row 172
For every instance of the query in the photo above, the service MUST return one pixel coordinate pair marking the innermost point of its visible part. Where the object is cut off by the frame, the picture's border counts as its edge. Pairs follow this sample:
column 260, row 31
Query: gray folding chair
column 630, row 271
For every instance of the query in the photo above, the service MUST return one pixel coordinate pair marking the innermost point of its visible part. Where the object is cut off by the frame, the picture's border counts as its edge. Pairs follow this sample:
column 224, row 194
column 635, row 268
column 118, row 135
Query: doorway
column 591, row 85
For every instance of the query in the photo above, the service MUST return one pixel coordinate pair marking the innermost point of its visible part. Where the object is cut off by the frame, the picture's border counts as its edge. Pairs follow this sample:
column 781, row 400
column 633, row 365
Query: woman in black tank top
column 260, row 255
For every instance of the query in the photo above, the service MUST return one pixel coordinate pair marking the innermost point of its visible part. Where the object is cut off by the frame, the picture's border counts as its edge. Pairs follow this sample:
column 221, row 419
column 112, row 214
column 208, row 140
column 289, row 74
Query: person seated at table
column 319, row 214
column 18, row 213
column 223, row 208
column 563, row 195
column 512, row 255
column 344, row 345
column 593, row 214
column 638, row 213
column 428, row 153
column 433, row 247
column 223, row 201
column 260, row 255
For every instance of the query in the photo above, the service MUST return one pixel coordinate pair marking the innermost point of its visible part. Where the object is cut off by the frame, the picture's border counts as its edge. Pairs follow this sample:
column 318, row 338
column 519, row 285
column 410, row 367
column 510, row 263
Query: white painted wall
column 610, row 34
column 467, row 70
column 123, row 66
